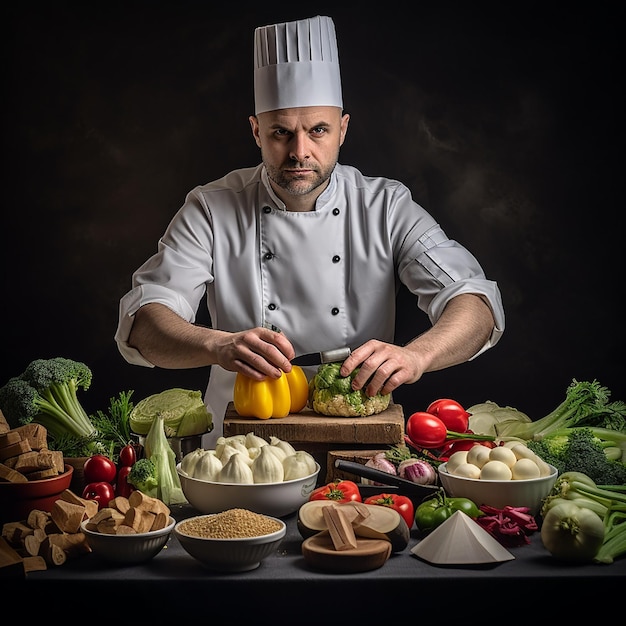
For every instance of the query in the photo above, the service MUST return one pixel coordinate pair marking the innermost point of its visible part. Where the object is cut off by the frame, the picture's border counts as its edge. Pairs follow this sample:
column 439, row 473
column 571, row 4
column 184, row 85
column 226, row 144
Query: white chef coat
column 327, row 278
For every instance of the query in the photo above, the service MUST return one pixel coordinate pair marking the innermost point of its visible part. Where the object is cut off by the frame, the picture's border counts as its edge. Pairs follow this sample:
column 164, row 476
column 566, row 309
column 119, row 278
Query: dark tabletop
column 173, row 585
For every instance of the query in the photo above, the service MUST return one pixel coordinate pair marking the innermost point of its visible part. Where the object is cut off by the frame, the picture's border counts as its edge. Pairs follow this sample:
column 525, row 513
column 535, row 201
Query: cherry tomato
column 128, row 455
column 99, row 468
column 451, row 413
column 101, row 491
column 397, row 502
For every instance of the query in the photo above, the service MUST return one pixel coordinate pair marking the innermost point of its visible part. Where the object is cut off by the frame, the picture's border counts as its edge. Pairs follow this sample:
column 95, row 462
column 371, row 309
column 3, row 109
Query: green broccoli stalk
column 585, row 404
column 582, row 449
column 159, row 451
column 46, row 393
column 143, row 476
column 332, row 394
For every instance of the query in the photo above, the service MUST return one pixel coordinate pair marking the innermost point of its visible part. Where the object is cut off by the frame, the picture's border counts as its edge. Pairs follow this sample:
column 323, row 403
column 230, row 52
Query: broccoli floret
column 332, row 394
column 143, row 476
column 46, row 393
column 581, row 449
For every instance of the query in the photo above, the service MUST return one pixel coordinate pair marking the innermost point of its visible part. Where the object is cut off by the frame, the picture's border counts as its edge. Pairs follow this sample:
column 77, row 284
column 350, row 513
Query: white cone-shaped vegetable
column 267, row 467
column 208, row 467
column 298, row 465
column 236, row 470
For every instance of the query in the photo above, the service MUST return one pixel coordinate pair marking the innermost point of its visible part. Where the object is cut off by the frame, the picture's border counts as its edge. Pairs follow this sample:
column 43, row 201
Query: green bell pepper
column 433, row 512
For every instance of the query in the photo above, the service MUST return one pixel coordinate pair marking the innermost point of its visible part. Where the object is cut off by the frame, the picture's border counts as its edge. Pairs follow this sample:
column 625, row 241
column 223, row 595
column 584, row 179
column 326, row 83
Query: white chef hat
column 296, row 64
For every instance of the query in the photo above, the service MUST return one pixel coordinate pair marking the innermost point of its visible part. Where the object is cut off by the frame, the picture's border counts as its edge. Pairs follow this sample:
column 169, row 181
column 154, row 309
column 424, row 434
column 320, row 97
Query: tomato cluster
column 104, row 480
column 444, row 426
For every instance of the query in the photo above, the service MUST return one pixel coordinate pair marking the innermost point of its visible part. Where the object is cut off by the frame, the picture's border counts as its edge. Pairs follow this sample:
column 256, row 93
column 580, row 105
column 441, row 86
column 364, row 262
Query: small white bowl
column 229, row 555
column 128, row 549
column 499, row 493
column 274, row 499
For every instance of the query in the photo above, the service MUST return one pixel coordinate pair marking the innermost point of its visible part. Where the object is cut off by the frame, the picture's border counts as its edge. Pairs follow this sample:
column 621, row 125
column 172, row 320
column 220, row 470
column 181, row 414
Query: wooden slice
column 319, row 552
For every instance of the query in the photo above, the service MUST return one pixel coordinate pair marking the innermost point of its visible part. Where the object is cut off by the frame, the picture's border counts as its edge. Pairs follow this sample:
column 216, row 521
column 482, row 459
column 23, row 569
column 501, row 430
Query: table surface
column 286, row 581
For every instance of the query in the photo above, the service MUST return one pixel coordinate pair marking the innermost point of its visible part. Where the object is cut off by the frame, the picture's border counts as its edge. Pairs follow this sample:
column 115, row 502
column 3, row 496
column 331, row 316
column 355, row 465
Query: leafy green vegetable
column 143, row 476
column 183, row 410
column 46, row 393
column 332, row 394
column 585, row 404
column 159, row 451
column 487, row 416
column 114, row 425
column 581, row 449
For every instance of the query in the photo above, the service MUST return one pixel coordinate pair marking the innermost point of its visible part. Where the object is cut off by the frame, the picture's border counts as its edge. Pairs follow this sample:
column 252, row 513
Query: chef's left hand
column 384, row 367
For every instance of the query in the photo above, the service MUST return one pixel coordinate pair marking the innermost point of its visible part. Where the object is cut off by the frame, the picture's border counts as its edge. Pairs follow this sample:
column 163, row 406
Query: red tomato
column 102, row 492
column 399, row 503
column 123, row 487
column 338, row 491
column 99, row 468
column 455, row 445
column 426, row 430
column 451, row 413
column 128, row 455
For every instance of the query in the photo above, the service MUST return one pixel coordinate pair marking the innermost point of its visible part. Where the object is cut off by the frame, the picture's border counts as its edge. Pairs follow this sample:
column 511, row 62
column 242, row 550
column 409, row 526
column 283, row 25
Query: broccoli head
column 143, row 476
column 46, row 393
column 578, row 449
column 332, row 394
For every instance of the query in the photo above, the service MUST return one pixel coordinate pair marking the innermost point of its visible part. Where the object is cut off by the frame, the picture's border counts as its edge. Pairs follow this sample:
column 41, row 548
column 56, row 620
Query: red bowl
column 17, row 500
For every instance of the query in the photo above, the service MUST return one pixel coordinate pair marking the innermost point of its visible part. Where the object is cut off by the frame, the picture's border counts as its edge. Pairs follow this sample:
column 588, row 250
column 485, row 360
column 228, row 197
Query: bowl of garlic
column 507, row 475
column 269, row 477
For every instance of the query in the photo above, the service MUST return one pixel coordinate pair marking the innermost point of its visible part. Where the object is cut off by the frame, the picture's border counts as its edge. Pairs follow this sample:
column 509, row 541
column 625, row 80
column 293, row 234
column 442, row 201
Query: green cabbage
column 183, row 410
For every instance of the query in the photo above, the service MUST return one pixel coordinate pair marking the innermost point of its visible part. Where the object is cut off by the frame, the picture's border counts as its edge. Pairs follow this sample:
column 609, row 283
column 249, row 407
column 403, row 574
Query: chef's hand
column 258, row 353
column 384, row 367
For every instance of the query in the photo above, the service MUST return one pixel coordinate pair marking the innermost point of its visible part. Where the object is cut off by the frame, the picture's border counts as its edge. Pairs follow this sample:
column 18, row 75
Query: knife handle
column 383, row 477
column 333, row 356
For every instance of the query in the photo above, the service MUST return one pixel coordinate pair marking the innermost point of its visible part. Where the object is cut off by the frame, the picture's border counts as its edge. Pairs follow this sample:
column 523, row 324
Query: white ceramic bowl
column 499, row 493
column 275, row 499
column 128, row 549
column 229, row 555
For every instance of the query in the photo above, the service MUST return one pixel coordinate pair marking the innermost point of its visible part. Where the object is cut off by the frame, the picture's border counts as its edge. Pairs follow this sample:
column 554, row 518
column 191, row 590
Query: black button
column 268, row 256
column 335, row 311
column 267, row 209
column 336, row 258
column 335, row 211
column 271, row 307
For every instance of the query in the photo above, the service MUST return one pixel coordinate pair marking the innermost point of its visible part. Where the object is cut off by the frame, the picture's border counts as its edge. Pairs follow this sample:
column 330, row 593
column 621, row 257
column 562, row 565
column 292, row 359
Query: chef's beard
column 299, row 186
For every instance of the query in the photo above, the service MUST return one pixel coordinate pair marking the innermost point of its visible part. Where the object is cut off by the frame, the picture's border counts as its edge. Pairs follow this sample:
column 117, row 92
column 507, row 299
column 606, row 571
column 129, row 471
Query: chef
column 301, row 253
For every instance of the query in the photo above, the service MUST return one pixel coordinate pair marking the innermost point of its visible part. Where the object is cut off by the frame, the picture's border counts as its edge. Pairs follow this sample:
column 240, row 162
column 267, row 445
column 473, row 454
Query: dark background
column 504, row 120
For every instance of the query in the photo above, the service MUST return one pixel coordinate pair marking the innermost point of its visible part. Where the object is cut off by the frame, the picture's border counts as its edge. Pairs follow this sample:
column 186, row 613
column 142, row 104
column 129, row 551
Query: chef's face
column 300, row 146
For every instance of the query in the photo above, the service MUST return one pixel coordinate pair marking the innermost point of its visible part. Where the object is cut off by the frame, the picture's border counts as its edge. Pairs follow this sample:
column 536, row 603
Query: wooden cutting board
column 369, row 554
column 386, row 427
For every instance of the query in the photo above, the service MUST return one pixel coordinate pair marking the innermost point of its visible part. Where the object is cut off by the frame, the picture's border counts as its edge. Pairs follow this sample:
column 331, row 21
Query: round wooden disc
column 369, row 554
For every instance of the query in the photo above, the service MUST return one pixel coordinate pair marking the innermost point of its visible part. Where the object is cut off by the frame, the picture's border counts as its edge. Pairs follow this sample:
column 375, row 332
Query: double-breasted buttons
column 336, row 211
column 271, row 306
column 267, row 209
column 335, row 310
column 336, row 258
column 268, row 256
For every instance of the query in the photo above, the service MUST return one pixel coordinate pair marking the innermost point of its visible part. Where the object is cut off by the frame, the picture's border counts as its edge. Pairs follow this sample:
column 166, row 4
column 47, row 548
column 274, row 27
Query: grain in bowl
column 231, row 524
column 235, row 540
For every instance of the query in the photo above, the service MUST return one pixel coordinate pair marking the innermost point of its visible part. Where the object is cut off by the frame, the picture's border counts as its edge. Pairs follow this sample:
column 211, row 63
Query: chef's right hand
column 258, row 353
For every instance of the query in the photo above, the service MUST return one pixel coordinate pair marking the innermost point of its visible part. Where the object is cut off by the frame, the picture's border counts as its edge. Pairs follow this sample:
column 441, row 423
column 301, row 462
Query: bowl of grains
column 235, row 540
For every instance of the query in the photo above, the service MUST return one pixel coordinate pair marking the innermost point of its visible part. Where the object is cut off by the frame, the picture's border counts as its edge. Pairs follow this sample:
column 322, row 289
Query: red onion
column 380, row 462
column 417, row 471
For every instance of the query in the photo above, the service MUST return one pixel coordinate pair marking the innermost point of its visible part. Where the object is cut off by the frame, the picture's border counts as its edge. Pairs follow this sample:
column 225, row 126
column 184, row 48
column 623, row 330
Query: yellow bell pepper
column 272, row 397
